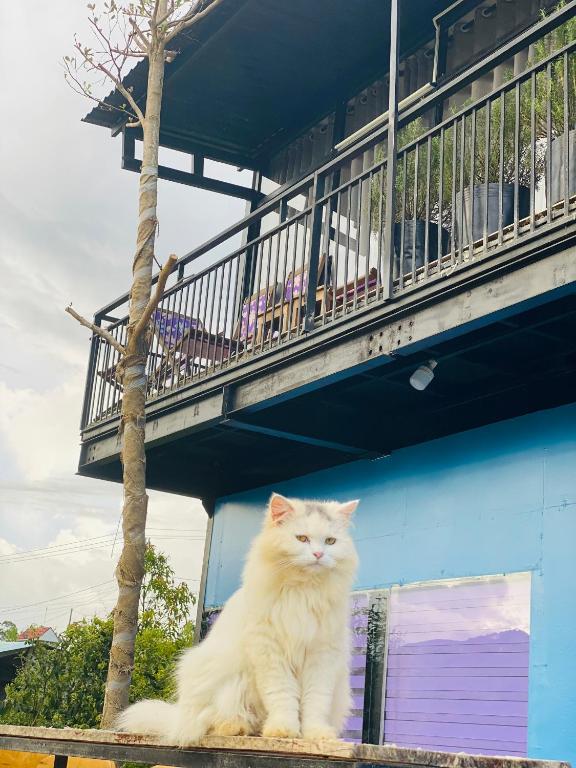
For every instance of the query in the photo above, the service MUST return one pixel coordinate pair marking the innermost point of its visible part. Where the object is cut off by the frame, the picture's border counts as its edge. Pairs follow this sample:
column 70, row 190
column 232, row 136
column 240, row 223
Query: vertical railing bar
column 336, row 256
column 155, row 358
column 216, row 334
column 178, row 346
column 211, row 333
column 532, row 150
column 97, row 379
column 110, row 389
column 195, row 318
column 325, row 249
column 462, row 193
column 487, row 158
column 281, row 329
column 401, row 269
column 549, row 143
column 358, row 238
column 381, row 244
column 314, row 250
column 501, row 168
column 200, row 283
column 456, row 225
column 172, row 347
column 391, row 146
column 269, row 289
column 370, row 182
column 227, row 335
column 236, row 331
column 186, row 353
column 294, row 251
column 260, row 260
column 516, row 158
column 90, row 378
column 415, row 209
column 472, row 180
column 277, row 300
column 427, row 205
column 303, row 267
column 345, row 304
column 441, row 200
column 104, row 358
column 208, row 308
column 566, row 166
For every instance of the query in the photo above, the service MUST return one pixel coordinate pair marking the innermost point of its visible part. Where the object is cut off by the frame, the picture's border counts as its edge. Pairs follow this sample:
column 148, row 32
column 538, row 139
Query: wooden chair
column 255, row 321
column 173, row 331
column 288, row 313
column 361, row 288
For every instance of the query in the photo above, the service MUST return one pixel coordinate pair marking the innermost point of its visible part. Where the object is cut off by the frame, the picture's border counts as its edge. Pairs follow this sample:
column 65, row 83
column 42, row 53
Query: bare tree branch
column 96, row 330
column 189, row 19
column 139, row 35
column 155, row 299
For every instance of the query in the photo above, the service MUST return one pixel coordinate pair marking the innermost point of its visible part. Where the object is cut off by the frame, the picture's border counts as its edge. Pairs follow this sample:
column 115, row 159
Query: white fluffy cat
column 276, row 662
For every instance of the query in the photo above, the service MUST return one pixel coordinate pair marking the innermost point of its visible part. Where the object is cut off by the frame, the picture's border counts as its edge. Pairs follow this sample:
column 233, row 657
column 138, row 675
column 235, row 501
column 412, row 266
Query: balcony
column 484, row 183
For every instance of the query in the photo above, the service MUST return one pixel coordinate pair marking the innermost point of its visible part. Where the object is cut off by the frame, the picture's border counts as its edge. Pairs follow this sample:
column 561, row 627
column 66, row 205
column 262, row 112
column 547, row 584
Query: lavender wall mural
column 457, row 666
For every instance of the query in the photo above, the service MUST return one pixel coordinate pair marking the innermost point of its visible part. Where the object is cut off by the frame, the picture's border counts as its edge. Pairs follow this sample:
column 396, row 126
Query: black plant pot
column 414, row 251
column 475, row 216
column 557, row 154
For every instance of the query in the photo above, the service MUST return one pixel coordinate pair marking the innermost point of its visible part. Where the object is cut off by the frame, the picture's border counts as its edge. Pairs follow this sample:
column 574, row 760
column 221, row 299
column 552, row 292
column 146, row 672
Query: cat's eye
column 303, row 539
column 330, row 540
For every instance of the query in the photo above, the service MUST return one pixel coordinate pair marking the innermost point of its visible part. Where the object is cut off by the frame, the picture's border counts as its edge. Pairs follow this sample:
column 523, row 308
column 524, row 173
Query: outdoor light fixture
column 423, row 375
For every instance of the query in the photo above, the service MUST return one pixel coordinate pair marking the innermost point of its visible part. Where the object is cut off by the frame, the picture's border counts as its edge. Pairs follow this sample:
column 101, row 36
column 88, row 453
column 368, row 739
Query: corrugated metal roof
column 254, row 73
column 9, row 648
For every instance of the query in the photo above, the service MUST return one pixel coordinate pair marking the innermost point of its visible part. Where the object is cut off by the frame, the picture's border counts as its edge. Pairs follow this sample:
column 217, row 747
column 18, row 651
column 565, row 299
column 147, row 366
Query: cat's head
column 311, row 535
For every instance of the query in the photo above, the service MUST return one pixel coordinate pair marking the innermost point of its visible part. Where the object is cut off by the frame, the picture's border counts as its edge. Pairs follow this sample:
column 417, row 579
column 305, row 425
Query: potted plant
column 553, row 90
column 417, row 203
column 495, row 175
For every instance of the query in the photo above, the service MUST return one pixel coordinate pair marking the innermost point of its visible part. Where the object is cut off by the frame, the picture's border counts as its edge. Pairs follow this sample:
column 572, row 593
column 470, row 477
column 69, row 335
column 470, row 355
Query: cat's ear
column 348, row 509
column 280, row 508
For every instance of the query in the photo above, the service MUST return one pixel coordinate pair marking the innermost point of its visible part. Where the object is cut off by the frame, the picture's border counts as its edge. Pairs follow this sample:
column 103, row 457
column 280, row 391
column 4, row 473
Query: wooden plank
column 242, row 750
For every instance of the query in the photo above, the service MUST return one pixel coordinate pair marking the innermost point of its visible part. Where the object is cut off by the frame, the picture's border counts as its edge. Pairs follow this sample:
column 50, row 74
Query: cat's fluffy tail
column 151, row 717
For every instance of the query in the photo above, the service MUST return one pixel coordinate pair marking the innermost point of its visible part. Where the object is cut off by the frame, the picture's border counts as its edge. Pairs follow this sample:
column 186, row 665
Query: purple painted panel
column 399, row 662
column 457, row 674
column 410, row 708
column 441, row 747
column 503, row 644
column 480, row 695
column 455, row 718
column 513, row 733
column 471, row 685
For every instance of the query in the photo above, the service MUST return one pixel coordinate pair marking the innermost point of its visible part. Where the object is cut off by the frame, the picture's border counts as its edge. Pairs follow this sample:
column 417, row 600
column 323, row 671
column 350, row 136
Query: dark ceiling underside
column 255, row 73
column 510, row 368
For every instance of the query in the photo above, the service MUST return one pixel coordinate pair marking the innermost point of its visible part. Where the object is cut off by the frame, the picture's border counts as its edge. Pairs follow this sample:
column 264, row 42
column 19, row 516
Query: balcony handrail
column 337, row 159
column 473, row 106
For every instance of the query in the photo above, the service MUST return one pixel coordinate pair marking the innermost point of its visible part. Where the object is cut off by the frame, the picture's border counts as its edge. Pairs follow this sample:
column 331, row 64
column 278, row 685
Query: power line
column 76, row 547
column 53, row 599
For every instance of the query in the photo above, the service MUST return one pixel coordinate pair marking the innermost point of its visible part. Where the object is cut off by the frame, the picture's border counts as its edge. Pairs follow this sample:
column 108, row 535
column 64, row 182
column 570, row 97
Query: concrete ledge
column 242, row 751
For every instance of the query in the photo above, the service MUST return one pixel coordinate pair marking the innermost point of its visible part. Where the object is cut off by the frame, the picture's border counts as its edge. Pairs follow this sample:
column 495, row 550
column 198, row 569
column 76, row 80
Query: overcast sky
column 67, row 225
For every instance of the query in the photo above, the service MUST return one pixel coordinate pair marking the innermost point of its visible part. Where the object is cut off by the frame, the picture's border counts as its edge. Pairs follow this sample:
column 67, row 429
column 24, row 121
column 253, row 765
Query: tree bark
column 130, row 568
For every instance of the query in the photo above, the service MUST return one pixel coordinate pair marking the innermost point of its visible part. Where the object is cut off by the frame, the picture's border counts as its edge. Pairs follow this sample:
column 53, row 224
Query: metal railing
column 468, row 182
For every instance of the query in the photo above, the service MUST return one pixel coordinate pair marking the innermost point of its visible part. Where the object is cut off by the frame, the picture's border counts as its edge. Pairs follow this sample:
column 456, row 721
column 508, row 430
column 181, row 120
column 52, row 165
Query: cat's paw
column 276, row 729
column 318, row 732
column 232, row 728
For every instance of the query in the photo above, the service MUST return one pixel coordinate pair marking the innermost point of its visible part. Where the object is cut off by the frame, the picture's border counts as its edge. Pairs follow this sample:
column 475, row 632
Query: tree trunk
column 130, row 568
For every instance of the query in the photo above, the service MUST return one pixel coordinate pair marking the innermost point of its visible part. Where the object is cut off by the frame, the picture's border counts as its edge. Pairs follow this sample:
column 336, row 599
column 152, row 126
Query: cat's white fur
column 276, row 661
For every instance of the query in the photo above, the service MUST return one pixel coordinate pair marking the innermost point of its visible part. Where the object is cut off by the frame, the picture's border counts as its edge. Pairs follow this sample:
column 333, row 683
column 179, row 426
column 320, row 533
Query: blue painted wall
column 497, row 499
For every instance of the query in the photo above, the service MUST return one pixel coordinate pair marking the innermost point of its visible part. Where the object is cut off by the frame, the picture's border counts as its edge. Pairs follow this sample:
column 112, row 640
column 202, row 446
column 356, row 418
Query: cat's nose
column 318, row 555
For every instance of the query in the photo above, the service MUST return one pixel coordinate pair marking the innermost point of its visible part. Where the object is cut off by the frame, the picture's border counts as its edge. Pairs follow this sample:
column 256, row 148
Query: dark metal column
column 389, row 221
column 209, row 506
